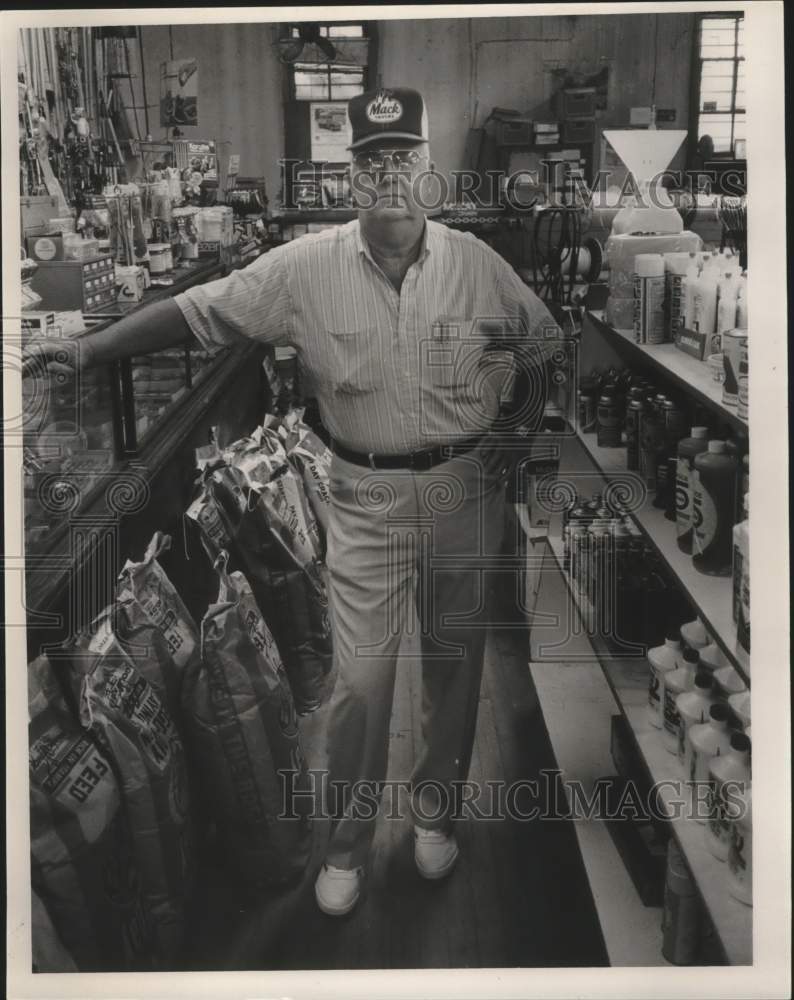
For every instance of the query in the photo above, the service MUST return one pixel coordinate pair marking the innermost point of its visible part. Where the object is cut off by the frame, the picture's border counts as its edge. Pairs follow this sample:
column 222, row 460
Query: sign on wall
column 330, row 131
column 179, row 92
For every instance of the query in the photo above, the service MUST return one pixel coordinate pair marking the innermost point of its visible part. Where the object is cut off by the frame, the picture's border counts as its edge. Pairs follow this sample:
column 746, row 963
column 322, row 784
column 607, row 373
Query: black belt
column 414, row 460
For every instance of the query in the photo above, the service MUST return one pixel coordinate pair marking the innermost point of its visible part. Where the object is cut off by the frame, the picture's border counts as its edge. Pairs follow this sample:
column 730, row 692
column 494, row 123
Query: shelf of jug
column 680, row 369
column 627, row 677
column 710, row 596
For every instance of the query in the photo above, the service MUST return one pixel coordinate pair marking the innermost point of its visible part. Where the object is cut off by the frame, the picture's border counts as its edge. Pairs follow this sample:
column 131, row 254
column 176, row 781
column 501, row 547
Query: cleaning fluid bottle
column 728, row 289
column 674, row 683
column 688, row 287
column 740, row 850
column 728, row 773
column 741, row 304
column 704, row 304
column 705, row 740
column 713, row 506
column 741, row 578
column 688, row 449
column 693, row 708
column 695, row 634
column 662, row 659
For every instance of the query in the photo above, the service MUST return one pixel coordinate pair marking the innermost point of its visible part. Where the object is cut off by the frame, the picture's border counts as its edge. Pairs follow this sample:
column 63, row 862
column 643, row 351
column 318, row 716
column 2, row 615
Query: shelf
column 710, row 595
column 628, row 680
column 686, row 372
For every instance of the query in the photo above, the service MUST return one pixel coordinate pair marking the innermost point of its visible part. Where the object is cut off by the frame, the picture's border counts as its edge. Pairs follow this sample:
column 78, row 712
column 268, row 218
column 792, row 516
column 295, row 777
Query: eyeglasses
column 377, row 162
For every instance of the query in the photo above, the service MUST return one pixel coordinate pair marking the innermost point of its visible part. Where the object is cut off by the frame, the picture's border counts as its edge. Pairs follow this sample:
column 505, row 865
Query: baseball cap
column 396, row 113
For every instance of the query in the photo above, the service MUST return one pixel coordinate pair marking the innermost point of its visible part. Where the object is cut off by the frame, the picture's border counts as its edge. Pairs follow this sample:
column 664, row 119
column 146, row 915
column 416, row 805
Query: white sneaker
column 435, row 852
column 337, row 889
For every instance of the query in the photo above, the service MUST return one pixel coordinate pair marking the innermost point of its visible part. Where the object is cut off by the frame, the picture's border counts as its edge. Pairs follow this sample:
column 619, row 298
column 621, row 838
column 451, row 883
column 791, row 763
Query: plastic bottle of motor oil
column 688, row 449
column 693, row 707
column 713, row 506
column 695, row 634
column 740, row 708
column 740, row 850
column 704, row 741
column 673, row 684
column 729, row 775
column 662, row 660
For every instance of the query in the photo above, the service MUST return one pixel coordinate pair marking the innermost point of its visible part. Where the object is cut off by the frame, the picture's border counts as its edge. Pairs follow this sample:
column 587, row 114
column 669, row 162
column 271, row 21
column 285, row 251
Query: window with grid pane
column 721, row 101
column 326, row 81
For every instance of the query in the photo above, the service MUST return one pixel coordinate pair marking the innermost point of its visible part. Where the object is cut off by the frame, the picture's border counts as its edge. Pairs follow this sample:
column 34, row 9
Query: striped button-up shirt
column 393, row 372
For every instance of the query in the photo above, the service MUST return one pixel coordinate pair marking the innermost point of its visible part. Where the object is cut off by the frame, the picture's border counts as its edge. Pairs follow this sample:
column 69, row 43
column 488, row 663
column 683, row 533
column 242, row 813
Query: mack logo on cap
column 383, row 109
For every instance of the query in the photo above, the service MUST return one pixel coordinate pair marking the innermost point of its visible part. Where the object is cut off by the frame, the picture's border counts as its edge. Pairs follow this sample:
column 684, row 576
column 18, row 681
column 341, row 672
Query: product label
column 684, row 486
column 649, row 310
column 705, row 519
column 670, row 716
column 45, row 249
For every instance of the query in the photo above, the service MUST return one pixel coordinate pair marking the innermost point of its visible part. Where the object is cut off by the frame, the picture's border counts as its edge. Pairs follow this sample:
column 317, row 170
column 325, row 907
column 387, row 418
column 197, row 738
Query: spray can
column 649, row 318
column 672, row 432
column 688, row 449
column 713, row 507
column 634, row 414
column 675, row 268
column 681, row 916
column 651, row 443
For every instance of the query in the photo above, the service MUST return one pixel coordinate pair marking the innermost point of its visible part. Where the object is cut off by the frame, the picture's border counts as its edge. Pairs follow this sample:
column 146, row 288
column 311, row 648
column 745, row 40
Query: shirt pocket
column 353, row 363
column 455, row 357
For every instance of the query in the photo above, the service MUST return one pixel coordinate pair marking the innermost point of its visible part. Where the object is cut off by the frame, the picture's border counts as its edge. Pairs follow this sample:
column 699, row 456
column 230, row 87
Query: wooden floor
column 519, row 896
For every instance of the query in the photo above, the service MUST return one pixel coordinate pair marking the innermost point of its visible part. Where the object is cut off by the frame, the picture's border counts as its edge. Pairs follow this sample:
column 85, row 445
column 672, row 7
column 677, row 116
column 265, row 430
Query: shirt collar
column 424, row 248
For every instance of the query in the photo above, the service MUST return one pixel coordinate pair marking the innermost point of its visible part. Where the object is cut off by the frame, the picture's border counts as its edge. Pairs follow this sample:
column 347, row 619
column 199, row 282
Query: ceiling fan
column 290, row 49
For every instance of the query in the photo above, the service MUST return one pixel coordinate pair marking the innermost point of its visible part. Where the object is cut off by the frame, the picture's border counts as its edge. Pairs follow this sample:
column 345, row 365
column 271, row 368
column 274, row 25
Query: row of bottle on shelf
column 628, row 593
column 705, row 292
column 701, row 481
column 701, row 707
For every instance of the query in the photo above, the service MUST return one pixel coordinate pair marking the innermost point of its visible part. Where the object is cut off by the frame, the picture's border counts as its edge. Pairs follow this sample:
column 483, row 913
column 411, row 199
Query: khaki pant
column 407, row 550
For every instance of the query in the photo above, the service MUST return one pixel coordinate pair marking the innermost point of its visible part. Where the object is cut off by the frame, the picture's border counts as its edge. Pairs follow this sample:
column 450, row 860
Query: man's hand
column 56, row 359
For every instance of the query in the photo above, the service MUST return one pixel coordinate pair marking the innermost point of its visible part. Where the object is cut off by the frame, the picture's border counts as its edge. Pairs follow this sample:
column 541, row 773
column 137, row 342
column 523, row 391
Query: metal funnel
column 645, row 152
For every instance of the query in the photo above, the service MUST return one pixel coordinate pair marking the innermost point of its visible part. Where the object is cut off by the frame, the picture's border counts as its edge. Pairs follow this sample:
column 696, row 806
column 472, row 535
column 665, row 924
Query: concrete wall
column 464, row 67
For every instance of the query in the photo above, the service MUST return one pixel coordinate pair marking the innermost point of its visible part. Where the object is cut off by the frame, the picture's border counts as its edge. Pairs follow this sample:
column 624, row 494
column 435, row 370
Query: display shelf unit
column 681, row 369
column 711, row 596
column 628, row 681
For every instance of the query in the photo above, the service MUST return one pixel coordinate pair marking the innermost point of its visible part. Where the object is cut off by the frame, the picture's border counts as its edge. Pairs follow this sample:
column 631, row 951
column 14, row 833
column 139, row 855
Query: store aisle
column 519, row 896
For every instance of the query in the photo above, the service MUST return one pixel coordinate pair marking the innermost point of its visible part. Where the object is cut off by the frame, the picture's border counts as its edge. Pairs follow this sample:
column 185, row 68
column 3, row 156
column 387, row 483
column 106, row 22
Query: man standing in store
column 394, row 319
